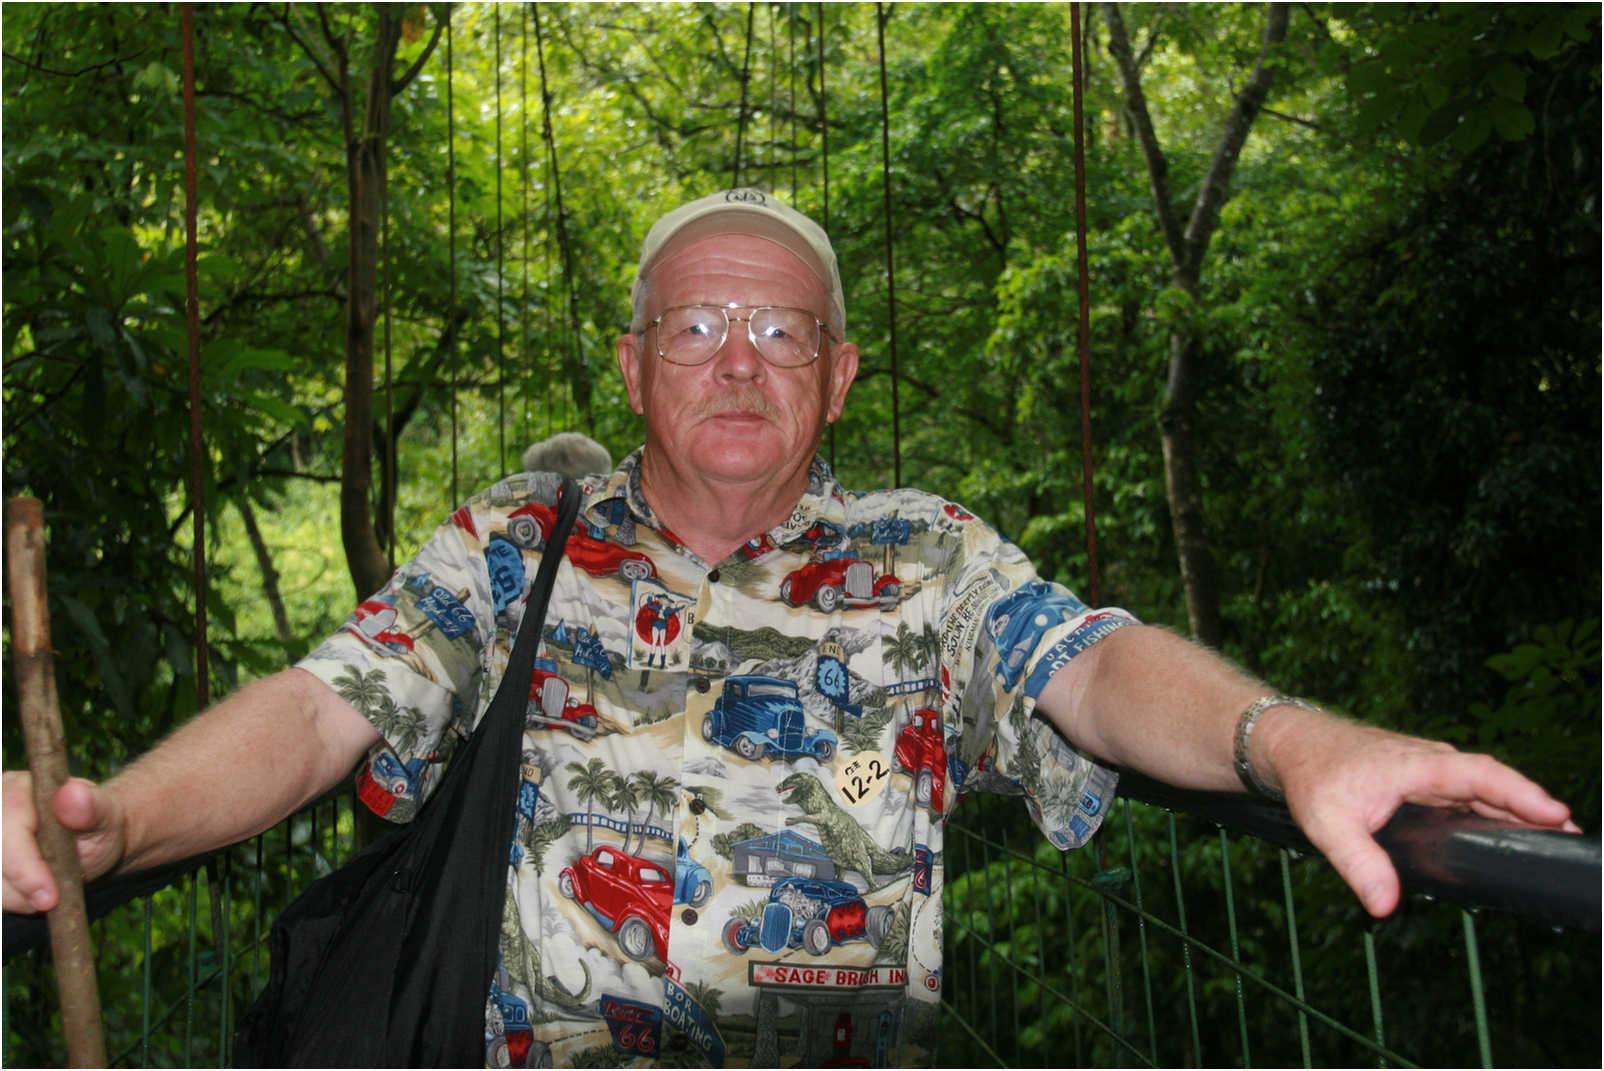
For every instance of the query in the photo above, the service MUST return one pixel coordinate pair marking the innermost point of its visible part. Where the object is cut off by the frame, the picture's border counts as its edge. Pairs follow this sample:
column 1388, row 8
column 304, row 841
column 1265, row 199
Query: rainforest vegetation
column 1344, row 279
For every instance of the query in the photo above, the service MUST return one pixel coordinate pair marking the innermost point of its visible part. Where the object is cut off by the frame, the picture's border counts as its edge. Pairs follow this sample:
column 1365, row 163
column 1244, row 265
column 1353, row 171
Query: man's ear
column 629, row 353
column 843, row 370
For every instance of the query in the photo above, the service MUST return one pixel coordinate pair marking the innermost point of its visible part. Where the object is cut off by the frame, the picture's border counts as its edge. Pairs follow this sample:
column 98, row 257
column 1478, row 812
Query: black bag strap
column 521, row 662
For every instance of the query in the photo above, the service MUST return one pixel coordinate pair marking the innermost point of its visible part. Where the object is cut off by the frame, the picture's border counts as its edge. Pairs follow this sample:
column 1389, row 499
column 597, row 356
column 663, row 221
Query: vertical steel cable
column 824, row 144
column 389, row 458
column 746, row 72
column 1478, row 999
column 1297, row 957
column 1141, row 933
column 523, row 211
column 451, row 238
column 145, row 979
column 1078, row 78
column 891, row 268
column 189, row 990
column 790, row 68
column 501, row 322
column 1070, row 945
column 1113, row 979
column 1186, row 945
column 1374, row 980
column 548, row 359
column 197, row 485
column 1236, row 948
column 774, row 102
column 578, row 369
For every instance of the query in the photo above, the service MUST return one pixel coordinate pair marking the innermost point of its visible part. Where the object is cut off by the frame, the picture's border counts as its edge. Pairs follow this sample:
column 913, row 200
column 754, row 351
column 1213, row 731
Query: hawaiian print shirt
column 736, row 777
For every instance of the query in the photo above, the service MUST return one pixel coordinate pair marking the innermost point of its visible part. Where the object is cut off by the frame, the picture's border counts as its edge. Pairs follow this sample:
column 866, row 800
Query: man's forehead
column 736, row 268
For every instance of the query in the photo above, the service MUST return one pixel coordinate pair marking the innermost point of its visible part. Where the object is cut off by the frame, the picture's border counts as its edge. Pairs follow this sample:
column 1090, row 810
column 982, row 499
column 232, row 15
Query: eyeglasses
column 692, row 334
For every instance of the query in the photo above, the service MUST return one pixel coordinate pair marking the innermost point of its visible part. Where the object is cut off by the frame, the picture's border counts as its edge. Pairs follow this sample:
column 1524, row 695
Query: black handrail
column 1549, row 877
column 1539, row 874
column 21, row 933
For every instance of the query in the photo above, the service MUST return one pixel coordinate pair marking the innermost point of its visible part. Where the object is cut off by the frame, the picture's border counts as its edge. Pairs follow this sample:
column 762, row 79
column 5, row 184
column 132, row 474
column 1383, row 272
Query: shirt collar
column 620, row 495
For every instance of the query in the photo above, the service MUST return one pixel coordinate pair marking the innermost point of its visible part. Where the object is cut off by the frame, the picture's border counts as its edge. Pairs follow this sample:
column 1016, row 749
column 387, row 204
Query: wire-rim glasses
column 783, row 336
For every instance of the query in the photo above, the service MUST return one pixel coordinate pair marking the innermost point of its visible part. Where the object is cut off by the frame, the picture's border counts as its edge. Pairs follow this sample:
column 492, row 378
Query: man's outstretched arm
column 1147, row 699
column 232, row 772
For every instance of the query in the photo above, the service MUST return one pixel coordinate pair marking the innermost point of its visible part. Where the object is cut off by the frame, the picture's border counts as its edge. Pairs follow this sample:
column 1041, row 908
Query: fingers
column 1348, row 845
column 1488, row 785
column 94, row 817
column 28, row 883
column 84, row 809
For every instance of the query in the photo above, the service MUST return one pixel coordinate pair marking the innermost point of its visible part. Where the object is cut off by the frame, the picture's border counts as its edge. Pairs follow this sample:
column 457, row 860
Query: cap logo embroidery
column 746, row 196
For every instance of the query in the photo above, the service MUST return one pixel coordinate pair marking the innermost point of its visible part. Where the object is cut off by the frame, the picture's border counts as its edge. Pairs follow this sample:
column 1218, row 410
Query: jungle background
column 1345, row 282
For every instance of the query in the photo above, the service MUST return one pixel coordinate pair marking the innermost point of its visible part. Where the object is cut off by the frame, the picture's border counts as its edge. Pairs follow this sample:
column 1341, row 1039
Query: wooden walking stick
column 47, row 758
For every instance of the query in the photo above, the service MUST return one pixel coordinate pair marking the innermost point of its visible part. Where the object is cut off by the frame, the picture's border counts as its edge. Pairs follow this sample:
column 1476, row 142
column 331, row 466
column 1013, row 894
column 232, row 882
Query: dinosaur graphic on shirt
column 843, row 839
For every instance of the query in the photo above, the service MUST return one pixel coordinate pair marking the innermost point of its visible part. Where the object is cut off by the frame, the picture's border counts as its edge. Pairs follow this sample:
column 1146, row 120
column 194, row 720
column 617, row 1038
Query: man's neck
column 714, row 517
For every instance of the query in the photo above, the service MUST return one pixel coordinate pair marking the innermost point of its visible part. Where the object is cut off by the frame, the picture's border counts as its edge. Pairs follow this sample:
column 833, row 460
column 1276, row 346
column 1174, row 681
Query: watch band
column 1244, row 732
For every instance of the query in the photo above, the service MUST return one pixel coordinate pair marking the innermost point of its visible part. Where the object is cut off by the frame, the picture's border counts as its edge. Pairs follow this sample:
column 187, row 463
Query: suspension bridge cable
column 451, row 239
column 578, row 371
column 197, row 446
column 1077, row 78
column 790, row 69
column 387, row 462
column 501, row 320
column 824, row 142
column 881, row 16
column 746, row 71
column 523, row 211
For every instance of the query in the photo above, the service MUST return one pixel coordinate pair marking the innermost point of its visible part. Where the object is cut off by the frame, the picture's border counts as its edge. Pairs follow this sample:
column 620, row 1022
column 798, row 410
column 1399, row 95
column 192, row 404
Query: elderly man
column 741, row 850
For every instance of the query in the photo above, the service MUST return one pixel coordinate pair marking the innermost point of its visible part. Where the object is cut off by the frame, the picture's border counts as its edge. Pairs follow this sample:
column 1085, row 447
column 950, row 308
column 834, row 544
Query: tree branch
column 1217, row 182
column 417, row 65
column 264, row 562
column 1158, row 168
column 1284, row 117
column 92, row 68
column 287, row 21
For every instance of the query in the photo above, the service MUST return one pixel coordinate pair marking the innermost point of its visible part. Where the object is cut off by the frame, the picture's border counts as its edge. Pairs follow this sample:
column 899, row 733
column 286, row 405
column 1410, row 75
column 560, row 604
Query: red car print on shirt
column 552, row 703
column 374, row 621
column 631, row 896
column 837, row 581
column 922, row 751
column 529, row 526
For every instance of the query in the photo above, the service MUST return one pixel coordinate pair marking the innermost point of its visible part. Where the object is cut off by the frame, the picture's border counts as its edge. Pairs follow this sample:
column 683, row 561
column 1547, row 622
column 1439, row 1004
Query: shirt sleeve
column 1004, row 633
column 412, row 657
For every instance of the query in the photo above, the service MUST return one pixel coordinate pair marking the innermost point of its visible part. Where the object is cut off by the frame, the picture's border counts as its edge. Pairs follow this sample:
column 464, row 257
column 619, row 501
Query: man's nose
column 738, row 358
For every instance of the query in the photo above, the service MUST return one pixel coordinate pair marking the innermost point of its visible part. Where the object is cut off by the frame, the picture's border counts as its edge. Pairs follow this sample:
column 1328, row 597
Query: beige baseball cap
column 745, row 211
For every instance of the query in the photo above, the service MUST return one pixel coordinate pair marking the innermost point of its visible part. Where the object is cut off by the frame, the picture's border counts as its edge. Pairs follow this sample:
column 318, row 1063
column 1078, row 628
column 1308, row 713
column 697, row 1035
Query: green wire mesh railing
column 179, row 951
column 1175, row 941
column 1194, row 931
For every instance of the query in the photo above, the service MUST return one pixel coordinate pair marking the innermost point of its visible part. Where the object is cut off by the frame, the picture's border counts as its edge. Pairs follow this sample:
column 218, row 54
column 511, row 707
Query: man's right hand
column 85, row 809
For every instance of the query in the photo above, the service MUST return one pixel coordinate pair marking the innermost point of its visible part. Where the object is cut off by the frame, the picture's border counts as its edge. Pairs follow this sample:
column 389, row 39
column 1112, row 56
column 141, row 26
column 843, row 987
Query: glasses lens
column 691, row 335
column 785, row 337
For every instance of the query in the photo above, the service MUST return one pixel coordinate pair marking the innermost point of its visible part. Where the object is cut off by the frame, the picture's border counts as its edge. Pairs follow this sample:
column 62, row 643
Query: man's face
column 736, row 418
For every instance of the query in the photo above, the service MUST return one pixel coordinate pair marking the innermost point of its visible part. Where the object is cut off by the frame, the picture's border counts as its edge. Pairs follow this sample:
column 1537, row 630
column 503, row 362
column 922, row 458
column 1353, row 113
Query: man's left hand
column 1344, row 781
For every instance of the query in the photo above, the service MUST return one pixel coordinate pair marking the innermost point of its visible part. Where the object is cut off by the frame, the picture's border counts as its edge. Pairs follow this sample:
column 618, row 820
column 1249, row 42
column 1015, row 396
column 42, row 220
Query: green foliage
column 1398, row 422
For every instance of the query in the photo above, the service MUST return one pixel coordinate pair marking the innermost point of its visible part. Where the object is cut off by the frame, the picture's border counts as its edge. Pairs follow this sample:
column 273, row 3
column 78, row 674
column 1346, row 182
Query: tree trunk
column 366, row 176
column 1184, row 488
column 1187, row 248
column 264, row 562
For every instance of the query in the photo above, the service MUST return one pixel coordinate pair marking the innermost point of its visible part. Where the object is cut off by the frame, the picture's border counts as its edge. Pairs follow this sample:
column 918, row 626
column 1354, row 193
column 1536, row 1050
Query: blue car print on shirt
column 758, row 715
column 1018, row 621
column 809, row 913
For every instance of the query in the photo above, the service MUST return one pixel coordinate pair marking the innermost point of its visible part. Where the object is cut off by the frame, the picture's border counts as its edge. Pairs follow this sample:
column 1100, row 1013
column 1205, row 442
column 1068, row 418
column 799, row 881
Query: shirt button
column 712, row 576
column 689, row 916
column 697, row 806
